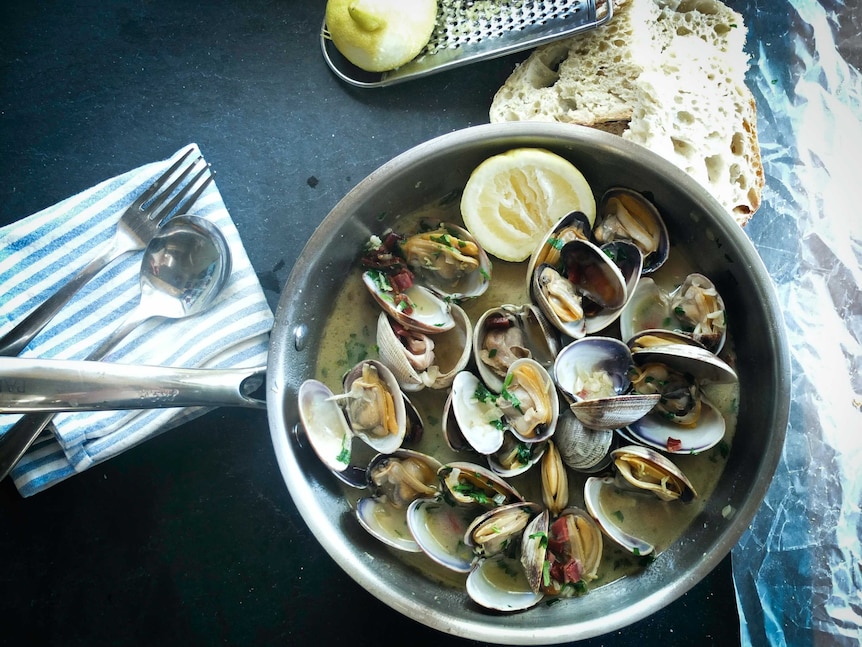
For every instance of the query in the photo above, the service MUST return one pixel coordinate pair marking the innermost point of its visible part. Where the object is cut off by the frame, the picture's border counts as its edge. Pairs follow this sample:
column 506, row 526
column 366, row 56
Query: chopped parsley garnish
column 619, row 515
column 482, row 394
column 542, row 537
column 469, row 490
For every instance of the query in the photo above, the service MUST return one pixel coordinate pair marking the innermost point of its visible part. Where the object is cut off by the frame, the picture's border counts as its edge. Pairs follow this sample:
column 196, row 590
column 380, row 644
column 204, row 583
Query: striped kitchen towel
column 39, row 253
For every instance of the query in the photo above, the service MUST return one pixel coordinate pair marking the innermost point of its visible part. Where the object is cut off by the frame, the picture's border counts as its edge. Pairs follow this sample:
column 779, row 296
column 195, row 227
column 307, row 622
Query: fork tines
column 176, row 198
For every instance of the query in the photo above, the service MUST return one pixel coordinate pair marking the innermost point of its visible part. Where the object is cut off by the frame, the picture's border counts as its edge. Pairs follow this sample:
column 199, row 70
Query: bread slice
column 667, row 74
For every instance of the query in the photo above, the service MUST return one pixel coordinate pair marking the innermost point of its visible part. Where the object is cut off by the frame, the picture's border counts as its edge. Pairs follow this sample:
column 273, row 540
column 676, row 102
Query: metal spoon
column 183, row 270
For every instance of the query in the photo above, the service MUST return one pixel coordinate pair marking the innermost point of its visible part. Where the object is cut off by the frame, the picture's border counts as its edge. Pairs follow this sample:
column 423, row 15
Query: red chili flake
column 674, row 444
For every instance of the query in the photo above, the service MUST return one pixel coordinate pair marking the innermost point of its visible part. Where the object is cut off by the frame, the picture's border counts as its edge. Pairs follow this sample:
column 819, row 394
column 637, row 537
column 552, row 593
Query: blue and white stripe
column 39, row 253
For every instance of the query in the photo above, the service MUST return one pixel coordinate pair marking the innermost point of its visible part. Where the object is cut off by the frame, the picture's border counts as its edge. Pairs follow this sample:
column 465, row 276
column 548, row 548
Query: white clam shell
column 438, row 529
column 386, row 523
column 430, row 313
column 540, row 339
column 549, row 392
column 592, row 498
column 391, row 442
column 452, row 351
column 477, row 421
column 325, row 425
column 654, row 430
column 498, row 583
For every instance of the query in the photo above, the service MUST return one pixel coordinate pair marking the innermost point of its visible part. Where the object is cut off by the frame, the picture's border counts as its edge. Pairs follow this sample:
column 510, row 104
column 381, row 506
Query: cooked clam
column 438, row 529
column 467, row 483
column 646, row 470
column 573, row 226
column 449, row 261
column 510, row 332
column 593, row 489
column 585, row 284
column 413, row 306
column 694, row 309
column 500, row 529
column 581, row 448
column 555, row 481
column 684, row 421
column 515, row 456
column 499, row 583
column 593, row 373
column 699, row 309
column 625, row 214
column 529, row 401
column 395, row 481
column 419, row 360
column 473, row 415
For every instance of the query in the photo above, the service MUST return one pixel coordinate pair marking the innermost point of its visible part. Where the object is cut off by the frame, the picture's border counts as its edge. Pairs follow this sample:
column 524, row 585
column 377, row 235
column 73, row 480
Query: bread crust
column 666, row 74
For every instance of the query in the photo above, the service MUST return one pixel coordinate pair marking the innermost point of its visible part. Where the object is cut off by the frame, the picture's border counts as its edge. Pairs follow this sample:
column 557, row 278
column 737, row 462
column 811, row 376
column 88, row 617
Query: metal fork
column 138, row 224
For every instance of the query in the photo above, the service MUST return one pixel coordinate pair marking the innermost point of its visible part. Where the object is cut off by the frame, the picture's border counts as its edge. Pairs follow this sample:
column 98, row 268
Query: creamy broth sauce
column 349, row 337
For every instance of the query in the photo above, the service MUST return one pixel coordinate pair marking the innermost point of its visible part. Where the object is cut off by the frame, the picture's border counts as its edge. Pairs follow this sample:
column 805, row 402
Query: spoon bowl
column 184, row 269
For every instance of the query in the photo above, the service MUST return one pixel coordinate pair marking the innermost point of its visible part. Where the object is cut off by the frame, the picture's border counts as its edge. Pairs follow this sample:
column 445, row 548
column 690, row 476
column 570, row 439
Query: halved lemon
column 513, row 199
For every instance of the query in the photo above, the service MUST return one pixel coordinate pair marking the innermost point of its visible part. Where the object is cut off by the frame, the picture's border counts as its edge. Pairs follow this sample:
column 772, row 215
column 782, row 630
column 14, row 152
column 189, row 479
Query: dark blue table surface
column 192, row 538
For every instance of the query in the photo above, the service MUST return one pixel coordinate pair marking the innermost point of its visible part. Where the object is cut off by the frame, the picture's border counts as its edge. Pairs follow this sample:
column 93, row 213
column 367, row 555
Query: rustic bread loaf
column 667, row 74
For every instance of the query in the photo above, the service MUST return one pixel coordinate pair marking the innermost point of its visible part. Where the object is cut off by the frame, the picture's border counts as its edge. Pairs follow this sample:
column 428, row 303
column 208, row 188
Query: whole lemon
column 380, row 35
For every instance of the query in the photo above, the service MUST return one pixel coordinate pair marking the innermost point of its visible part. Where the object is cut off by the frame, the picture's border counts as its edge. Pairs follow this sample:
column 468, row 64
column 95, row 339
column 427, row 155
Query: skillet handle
column 30, row 385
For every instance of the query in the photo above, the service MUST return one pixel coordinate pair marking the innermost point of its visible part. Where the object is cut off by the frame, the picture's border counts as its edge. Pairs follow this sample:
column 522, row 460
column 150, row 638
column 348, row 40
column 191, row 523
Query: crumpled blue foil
column 798, row 568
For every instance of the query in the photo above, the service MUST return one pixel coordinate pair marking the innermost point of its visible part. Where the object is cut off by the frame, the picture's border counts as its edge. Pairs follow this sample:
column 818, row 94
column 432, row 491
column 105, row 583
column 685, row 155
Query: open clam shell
column 497, row 580
column 571, row 544
column 467, row 483
column 498, row 583
column 625, row 214
column 394, row 482
column 646, row 470
column 694, row 309
column 419, row 360
column 448, row 260
column 573, row 226
column 654, row 430
column 374, row 405
column 416, row 307
column 509, row 332
column 529, row 401
column 593, row 374
column 478, row 419
column 515, row 456
column 585, row 284
column 438, row 529
column 593, row 500
column 628, row 258
column 325, row 424
column 498, row 529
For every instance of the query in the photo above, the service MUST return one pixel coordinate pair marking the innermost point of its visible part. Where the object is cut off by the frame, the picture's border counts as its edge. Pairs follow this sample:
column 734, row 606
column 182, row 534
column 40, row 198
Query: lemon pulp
column 512, row 200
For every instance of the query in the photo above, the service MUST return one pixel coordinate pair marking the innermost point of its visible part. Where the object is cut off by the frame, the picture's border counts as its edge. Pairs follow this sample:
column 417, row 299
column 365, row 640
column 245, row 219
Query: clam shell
column 572, row 226
column 467, row 286
column 452, row 352
column 654, row 430
column 541, row 339
column 430, row 313
column 495, row 530
column 627, row 461
column 581, row 448
column 687, row 358
column 469, row 484
column 389, row 443
column 325, row 425
column 438, row 529
column 650, row 226
column 531, row 368
column 476, row 422
column 627, row 257
column 385, row 517
column 592, row 499
column 498, row 583
column 497, row 465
